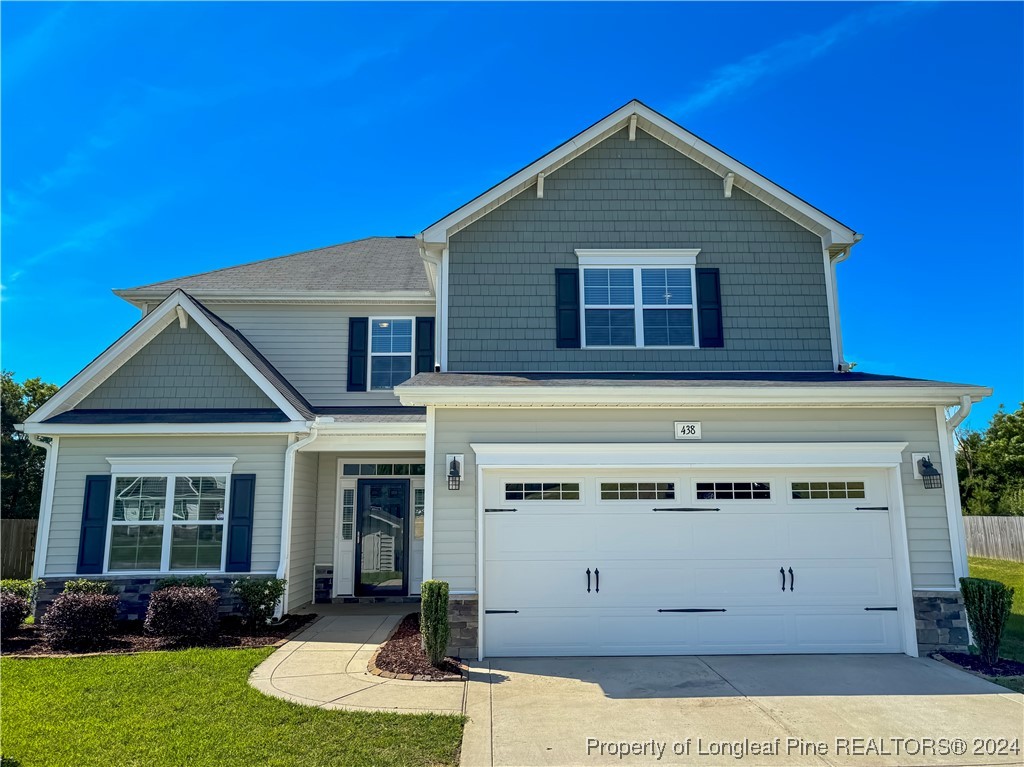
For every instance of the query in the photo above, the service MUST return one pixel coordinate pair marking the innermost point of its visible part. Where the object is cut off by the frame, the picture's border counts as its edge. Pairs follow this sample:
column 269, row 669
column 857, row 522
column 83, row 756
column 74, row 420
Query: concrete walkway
column 811, row 709
column 325, row 666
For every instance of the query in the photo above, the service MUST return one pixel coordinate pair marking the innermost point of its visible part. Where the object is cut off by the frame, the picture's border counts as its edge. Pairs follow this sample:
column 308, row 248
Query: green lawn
column 1012, row 574
column 193, row 707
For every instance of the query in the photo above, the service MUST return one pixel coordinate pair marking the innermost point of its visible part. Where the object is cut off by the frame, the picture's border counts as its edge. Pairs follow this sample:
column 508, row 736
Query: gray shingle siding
column 180, row 368
column 640, row 194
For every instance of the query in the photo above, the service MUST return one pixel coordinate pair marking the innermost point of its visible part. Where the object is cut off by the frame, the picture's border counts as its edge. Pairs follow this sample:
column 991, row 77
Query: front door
column 382, row 530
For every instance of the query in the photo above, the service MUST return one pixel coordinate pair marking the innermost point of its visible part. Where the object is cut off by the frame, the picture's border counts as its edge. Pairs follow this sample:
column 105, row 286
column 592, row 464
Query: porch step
column 375, row 600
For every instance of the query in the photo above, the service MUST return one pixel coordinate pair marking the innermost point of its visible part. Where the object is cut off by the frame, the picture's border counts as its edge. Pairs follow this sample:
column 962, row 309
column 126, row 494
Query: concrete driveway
column 748, row 710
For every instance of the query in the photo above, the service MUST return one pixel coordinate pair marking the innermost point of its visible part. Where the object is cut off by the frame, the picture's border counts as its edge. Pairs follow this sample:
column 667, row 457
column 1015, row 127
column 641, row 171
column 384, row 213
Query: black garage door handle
column 792, row 579
column 782, row 572
column 597, row 579
column 588, row 580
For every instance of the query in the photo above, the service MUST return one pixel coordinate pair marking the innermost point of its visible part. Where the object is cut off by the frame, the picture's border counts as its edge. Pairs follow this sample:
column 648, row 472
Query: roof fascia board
column 673, row 135
column 163, row 429
column 140, row 298
column 703, row 454
column 725, row 396
column 101, row 368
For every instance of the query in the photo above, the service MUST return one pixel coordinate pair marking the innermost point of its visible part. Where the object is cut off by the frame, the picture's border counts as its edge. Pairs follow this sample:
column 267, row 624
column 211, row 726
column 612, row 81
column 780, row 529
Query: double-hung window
column 638, row 298
column 165, row 520
column 391, row 345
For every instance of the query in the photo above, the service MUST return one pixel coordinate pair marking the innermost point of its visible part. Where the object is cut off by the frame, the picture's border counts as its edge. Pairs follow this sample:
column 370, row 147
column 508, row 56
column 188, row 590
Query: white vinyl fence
column 995, row 537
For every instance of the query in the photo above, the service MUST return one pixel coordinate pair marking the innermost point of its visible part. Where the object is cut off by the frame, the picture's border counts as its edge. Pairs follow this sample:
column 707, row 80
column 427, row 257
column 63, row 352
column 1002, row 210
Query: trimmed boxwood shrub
column 259, row 597
column 988, row 606
column 85, row 586
column 195, row 581
column 14, row 609
column 79, row 621
column 434, row 625
column 185, row 613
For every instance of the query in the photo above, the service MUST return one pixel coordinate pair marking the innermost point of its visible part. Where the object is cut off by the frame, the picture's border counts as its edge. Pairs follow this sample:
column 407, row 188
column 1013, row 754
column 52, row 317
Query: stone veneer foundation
column 464, row 619
column 941, row 621
column 134, row 593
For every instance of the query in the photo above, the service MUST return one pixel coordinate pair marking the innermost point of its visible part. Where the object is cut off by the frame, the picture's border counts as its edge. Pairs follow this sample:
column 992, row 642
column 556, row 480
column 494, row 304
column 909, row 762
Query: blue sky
column 146, row 141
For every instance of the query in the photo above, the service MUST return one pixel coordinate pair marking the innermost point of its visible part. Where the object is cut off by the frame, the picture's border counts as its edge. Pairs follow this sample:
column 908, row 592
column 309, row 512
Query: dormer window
column 390, row 352
column 638, row 298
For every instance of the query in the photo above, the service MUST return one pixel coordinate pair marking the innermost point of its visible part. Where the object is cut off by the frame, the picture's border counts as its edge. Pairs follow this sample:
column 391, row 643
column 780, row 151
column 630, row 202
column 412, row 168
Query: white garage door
column 584, row 563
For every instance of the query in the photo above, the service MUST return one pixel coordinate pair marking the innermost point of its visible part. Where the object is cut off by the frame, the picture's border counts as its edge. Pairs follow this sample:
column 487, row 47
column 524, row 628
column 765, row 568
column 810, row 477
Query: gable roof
column 370, row 265
column 834, row 232
column 172, row 309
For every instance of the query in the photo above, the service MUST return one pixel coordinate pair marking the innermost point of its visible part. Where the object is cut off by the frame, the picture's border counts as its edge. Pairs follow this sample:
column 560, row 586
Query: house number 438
column 687, row 429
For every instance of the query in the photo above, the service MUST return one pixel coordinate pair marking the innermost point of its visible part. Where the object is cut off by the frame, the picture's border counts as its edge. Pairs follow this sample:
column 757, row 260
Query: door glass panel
column 383, row 515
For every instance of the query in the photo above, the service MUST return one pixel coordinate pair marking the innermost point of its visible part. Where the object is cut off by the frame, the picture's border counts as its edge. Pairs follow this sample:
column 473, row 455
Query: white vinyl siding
column 308, row 344
column 300, row 561
column 79, row 457
column 455, row 511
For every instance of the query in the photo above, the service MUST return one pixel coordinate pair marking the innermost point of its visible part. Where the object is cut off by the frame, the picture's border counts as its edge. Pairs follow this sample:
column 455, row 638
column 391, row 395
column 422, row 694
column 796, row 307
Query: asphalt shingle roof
column 373, row 264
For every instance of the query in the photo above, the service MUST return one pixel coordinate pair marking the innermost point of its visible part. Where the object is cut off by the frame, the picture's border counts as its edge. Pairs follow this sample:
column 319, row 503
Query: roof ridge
column 160, row 283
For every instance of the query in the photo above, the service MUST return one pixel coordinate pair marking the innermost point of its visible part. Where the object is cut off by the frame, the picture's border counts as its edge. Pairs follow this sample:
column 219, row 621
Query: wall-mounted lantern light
column 454, row 471
column 931, row 476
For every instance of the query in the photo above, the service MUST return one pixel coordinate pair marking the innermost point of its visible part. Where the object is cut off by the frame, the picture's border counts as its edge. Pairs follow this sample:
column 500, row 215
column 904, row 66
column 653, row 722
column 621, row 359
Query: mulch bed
column 131, row 638
column 402, row 655
column 974, row 663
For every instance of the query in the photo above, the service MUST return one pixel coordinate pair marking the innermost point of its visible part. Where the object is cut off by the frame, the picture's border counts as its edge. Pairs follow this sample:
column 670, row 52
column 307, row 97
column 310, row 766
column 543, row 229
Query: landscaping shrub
column 187, row 613
column 79, row 620
column 434, row 624
column 259, row 597
column 988, row 606
column 193, row 581
column 14, row 609
column 24, row 588
column 85, row 586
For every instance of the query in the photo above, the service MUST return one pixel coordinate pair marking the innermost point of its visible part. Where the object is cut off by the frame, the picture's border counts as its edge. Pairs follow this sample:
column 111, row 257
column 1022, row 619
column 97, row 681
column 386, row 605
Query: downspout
column 948, row 453
column 843, row 366
column 287, row 504
column 50, row 445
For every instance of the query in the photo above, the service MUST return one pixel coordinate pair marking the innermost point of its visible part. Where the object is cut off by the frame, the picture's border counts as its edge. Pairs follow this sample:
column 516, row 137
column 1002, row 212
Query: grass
column 194, row 707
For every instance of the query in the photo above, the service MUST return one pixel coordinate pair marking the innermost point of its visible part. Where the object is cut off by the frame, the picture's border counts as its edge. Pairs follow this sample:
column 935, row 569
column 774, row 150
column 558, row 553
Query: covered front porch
column 358, row 515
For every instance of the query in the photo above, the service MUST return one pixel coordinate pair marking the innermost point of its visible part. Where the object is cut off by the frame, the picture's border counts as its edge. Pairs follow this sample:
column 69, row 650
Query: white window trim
column 637, row 260
column 369, row 347
column 167, row 522
column 163, row 466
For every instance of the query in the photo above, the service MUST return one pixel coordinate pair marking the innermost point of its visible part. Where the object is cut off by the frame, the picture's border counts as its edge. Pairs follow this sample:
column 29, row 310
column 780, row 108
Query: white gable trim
column 116, row 355
column 660, row 127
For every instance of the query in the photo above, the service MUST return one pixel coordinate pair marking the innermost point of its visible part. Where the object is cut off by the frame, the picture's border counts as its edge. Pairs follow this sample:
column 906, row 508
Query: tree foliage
column 21, row 462
column 991, row 466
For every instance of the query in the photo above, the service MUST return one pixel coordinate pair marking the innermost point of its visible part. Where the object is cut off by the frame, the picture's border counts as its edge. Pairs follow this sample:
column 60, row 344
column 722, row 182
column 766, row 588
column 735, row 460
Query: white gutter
column 287, row 504
column 951, row 485
column 45, row 501
column 961, row 413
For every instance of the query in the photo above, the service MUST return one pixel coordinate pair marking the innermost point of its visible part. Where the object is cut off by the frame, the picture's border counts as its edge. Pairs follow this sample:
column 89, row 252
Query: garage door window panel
column 828, row 490
column 733, row 491
column 638, row 491
column 542, row 491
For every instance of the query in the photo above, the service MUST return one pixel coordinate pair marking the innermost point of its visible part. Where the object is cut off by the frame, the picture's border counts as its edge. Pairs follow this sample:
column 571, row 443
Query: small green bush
column 1011, row 502
column 434, row 625
column 259, row 597
column 185, row 613
column 79, row 620
column 24, row 588
column 14, row 609
column 85, row 586
column 988, row 606
column 192, row 581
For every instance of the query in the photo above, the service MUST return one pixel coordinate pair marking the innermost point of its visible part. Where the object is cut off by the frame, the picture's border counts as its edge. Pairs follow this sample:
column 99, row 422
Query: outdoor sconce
column 454, row 471
column 931, row 476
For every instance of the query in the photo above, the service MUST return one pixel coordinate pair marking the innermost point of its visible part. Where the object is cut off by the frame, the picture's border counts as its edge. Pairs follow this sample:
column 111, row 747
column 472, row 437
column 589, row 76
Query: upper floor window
column 391, row 347
column 638, row 298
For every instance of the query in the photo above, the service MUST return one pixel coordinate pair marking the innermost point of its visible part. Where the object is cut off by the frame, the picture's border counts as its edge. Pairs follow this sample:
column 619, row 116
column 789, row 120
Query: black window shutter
column 567, row 308
column 243, row 497
column 424, row 344
column 358, row 349
column 709, row 309
column 92, row 544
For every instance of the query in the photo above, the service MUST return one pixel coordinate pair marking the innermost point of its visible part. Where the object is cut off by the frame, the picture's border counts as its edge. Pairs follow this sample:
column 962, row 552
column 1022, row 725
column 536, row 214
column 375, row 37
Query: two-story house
column 606, row 400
